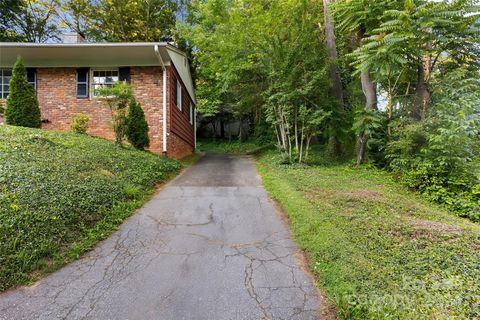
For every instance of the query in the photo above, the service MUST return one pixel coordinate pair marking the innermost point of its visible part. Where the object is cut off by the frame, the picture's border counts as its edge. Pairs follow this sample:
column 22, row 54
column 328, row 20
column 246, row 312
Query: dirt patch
column 365, row 194
column 425, row 225
column 357, row 194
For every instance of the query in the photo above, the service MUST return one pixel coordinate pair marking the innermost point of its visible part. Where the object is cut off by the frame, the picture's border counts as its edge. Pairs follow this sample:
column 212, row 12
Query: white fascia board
column 83, row 54
column 180, row 61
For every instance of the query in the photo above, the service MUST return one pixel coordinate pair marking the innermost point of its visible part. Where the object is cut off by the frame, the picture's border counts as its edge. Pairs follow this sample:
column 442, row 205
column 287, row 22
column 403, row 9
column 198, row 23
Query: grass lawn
column 379, row 251
column 61, row 193
column 251, row 146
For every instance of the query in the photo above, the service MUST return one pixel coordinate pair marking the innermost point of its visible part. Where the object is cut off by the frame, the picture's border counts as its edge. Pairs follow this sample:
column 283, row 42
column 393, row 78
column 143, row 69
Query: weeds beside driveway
column 379, row 251
column 209, row 245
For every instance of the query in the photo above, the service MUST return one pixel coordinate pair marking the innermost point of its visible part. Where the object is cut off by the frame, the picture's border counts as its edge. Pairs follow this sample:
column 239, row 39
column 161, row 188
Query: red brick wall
column 56, row 89
column 177, row 147
column 56, row 92
column 147, row 84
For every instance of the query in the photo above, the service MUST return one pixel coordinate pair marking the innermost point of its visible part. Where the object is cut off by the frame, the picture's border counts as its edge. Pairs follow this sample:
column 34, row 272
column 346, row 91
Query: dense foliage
column 22, row 104
column 263, row 61
column 276, row 64
column 120, row 20
column 379, row 251
column 61, row 192
column 28, row 20
column 136, row 126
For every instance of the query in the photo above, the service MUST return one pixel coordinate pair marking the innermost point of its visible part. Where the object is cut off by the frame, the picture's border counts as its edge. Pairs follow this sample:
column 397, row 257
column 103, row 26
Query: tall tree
column 420, row 36
column 35, row 22
column 120, row 20
column 336, row 86
column 359, row 18
column 8, row 11
column 28, row 20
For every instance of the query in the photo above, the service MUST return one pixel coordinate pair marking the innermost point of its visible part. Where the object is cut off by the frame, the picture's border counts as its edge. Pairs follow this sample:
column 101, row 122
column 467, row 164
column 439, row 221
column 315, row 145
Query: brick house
column 66, row 77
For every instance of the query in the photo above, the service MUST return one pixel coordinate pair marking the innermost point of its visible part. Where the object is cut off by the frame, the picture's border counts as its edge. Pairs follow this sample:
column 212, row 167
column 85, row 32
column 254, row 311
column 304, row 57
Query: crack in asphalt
column 182, row 256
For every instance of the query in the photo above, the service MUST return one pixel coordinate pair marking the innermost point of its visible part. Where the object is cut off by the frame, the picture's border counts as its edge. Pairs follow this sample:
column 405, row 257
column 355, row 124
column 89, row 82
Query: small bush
column 80, row 123
column 137, row 126
column 22, row 104
column 116, row 99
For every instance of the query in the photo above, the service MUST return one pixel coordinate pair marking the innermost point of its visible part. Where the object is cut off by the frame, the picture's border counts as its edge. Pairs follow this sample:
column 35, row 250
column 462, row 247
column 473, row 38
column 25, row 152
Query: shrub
column 116, row 99
column 437, row 156
column 80, row 123
column 22, row 104
column 137, row 126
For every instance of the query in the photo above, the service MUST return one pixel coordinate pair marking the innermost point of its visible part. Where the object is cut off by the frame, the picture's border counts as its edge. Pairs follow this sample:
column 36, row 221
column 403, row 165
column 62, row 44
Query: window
column 175, row 91
column 5, row 76
column 179, row 95
column 191, row 113
column 32, row 78
column 103, row 79
column 82, row 83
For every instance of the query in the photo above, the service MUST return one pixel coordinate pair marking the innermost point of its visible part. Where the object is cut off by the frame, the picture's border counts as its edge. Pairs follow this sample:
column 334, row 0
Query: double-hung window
column 177, row 93
column 32, row 78
column 82, row 83
column 103, row 79
column 5, row 76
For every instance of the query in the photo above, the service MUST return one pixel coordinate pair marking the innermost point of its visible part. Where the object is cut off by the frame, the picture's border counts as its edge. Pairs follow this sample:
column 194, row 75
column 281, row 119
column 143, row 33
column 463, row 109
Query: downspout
column 164, row 100
column 195, row 129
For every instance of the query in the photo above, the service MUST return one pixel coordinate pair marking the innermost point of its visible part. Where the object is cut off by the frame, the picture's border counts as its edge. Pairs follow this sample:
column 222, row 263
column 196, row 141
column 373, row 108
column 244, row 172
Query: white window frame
column 92, row 79
column 179, row 95
column 2, row 83
column 191, row 113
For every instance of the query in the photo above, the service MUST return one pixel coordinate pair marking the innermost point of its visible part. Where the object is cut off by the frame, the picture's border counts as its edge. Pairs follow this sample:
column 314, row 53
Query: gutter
column 164, row 99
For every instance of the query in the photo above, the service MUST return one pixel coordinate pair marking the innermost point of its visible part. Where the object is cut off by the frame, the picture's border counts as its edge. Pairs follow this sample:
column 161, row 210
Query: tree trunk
column 337, row 89
column 306, row 148
column 362, row 142
column 390, row 113
column 296, row 130
column 369, row 88
column 422, row 90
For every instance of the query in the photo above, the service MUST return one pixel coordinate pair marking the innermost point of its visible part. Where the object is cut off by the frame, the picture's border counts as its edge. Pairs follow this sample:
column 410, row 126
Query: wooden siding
column 179, row 121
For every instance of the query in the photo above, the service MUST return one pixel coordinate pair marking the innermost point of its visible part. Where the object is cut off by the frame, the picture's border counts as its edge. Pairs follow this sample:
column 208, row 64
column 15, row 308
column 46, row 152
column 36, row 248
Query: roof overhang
column 41, row 55
column 131, row 54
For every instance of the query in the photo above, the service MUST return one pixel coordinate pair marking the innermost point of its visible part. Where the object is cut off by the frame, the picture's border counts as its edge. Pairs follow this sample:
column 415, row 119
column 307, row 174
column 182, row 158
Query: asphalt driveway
column 210, row 245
